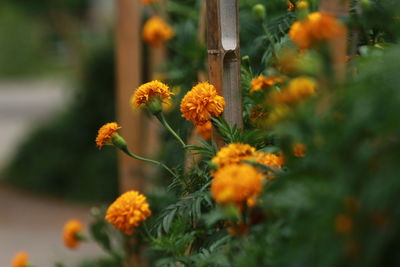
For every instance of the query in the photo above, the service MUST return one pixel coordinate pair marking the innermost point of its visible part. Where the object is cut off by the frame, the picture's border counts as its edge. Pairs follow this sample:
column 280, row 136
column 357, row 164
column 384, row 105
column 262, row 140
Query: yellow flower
column 70, row 233
column 236, row 184
column 204, row 130
column 201, row 103
column 297, row 90
column 317, row 27
column 234, row 153
column 128, row 211
column 302, row 5
column 20, row 260
column 299, row 150
column 153, row 95
column 156, row 31
column 106, row 133
column 261, row 81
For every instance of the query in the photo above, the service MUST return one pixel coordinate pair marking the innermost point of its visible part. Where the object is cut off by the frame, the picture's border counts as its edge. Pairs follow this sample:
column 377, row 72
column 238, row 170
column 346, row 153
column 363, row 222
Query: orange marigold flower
column 20, row 260
column 317, row 27
column 235, row 184
column 299, row 150
column 343, row 224
column 106, row 133
column 270, row 160
column 290, row 5
column 146, row 93
column 201, row 103
column 146, row 2
column 297, row 90
column 261, row 82
column 128, row 211
column 234, row 153
column 70, row 233
column 204, row 130
column 156, row 31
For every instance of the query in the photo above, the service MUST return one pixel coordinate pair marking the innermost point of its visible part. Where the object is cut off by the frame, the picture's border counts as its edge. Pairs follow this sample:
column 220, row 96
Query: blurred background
column 56, row 89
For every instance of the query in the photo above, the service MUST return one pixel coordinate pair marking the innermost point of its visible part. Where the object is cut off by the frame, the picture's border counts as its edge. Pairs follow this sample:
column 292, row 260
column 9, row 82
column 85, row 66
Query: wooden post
column 128, row 78
column 338, row 46
column 128, row 56
column 224, row 55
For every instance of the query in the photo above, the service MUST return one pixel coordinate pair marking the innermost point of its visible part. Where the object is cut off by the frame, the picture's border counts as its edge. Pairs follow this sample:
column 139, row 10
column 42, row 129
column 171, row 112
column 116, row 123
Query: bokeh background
column 56, row 88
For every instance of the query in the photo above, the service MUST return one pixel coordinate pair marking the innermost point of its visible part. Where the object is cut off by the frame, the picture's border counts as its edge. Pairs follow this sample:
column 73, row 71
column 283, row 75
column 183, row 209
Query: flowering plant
column 297, row 185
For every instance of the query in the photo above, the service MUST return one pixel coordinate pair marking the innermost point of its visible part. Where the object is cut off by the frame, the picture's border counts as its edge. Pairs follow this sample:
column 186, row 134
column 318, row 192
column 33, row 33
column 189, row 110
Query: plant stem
column 161, row 118
column 150, row 161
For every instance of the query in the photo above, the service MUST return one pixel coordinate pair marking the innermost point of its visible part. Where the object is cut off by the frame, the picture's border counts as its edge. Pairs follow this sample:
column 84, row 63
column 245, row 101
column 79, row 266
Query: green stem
column 147, row 232
column 161, row 118
column 150, row 161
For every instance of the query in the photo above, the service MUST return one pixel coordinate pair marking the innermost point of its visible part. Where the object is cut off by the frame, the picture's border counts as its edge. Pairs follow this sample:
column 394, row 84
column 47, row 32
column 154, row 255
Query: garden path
column 27, row 221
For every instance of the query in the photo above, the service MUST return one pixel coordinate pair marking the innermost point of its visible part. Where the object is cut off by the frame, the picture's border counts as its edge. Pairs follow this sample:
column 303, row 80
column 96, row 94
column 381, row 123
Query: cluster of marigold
column 235, row 181
column 310, row 31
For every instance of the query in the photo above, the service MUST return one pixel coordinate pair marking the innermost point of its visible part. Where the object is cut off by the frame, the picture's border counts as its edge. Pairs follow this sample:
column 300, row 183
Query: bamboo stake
column 224, row 55
column 338, row 46
column 129, row 77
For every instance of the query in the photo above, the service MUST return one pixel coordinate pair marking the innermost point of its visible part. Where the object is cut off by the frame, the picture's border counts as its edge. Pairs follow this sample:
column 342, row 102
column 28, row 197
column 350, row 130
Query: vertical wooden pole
column 128, row 56
column 224, row 55
column 128, row 78
column 338, row 46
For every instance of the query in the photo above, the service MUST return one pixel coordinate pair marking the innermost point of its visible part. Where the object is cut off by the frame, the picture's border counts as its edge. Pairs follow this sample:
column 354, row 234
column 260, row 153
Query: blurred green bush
column 60, row 157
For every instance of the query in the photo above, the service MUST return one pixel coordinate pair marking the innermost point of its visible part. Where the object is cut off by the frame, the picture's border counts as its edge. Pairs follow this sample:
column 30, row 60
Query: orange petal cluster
column 70, row 232
column 20, row 260
column 297, row 90
column 204, row 130
column 201, row 103
column 149, row 91
column 236, row 184
column 234, row 153
column 317, row 27
column 128, row 211
column 261, row 82
column 299, row 150
column 106, row 133
column 156, row 31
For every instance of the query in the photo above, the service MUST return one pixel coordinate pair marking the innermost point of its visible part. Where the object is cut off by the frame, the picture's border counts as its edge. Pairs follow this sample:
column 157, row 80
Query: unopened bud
column 118, row 142
column 155, row 105
column 366, row 4
column 302, row 5
column 259, row 11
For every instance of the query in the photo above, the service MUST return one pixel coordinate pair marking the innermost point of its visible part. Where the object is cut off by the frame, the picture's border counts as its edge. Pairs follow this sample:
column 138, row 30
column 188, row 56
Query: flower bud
column 259, row 11
column 119, row 142
column 302, row 9
column 155, row 105
column 366, row 4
